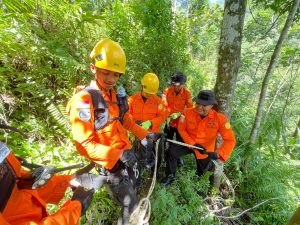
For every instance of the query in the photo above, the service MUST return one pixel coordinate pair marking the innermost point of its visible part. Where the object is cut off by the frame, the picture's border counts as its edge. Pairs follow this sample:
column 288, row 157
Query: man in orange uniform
column 99, row 125
column 147, row 110
column 199, row 126
column 22, row 205
column 176, row 98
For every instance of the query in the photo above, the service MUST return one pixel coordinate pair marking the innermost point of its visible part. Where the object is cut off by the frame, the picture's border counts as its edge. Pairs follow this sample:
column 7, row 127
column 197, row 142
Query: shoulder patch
column 160, row 106
column 182, row 118
column 227, row 125
column 84, row 114
column 84, row 104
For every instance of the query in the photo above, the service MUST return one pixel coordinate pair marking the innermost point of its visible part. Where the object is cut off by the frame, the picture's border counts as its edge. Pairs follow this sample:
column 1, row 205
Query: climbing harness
column 142, row 213
column 101, row 107
column 136, row 171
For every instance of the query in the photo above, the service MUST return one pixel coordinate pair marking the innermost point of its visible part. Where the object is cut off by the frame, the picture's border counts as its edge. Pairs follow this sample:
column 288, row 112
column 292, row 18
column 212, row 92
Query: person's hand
column 147, row 143
column 84, row 197
column 213, row 155
column 175, row 115
column 129, row 158
column 88, row 181
column 202, row 150
column 41, row 176
column 154, row 136
column 146, row 125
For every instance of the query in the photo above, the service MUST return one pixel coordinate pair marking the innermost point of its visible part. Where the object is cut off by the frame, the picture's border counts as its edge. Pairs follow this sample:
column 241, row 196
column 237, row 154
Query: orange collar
column 180, row 92
column 96, row 86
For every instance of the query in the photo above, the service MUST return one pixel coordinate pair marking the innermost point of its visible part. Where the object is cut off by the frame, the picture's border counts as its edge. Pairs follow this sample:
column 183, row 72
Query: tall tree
column 296, row 133
column 229, row 58
column 270, row 70
column 229, row 53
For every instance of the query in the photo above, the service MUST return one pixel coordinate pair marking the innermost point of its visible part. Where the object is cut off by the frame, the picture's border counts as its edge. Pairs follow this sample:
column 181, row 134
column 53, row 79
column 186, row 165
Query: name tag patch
column 84, row 114
column 211, row 124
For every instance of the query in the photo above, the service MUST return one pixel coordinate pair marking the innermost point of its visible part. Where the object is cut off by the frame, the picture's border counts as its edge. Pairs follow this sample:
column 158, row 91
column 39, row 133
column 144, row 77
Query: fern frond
column 59, row 114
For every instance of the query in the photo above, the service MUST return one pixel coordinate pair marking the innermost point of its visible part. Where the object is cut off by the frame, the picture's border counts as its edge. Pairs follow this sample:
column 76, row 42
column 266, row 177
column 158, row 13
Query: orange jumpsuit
column 176, row 102
column 152, row 109
column 28, row 207
column 195, row 130
column 104, row 147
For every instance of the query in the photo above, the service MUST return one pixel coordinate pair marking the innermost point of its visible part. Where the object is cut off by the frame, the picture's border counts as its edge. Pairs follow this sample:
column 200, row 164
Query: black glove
column 129, row 158
column 138, row 122
column 213, row 155
column 202, row 150
column 84, row 197
column 41, row 176
column 155, row 136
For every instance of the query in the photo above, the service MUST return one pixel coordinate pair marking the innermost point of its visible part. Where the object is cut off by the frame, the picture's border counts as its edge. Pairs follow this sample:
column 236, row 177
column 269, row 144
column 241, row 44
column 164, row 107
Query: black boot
column 168, row 180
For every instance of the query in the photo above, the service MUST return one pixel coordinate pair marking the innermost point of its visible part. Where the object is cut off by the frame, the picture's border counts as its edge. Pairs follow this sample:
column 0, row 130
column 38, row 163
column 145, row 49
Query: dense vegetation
column 44, row 48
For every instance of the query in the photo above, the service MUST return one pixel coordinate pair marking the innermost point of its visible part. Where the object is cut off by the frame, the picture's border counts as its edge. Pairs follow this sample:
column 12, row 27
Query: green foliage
column 184, row 205
column 278, row 6
column 103, row 210
column 268, row 181
column 60, row 115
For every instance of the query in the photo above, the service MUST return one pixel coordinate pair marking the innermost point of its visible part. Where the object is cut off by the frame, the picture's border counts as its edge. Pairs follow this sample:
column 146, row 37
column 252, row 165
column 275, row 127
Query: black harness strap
column 101, row 109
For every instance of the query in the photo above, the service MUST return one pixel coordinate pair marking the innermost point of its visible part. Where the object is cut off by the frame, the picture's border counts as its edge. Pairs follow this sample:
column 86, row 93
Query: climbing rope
column 142, row 213
column 217, row 203
column 255, row 206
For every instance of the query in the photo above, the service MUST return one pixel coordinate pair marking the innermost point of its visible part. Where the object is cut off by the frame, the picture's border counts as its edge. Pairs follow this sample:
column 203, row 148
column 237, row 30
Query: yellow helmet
column 150, row 83
column 109, row 55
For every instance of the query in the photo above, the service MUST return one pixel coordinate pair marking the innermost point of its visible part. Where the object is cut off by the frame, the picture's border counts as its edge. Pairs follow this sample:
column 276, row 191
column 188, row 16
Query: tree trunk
column 229, row 59
column 229, row 53
column 279, row 88
column 296, row 133
column 174, row 7
column 295, row 218
column 270, row 70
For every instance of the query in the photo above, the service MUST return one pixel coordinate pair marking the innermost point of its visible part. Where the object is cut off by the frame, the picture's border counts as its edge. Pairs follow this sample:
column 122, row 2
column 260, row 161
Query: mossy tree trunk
column 229, row 53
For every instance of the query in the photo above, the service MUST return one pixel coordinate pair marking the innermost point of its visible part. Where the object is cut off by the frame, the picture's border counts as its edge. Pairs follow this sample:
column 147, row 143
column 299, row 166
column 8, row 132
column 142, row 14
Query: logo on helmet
column 99, row 57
